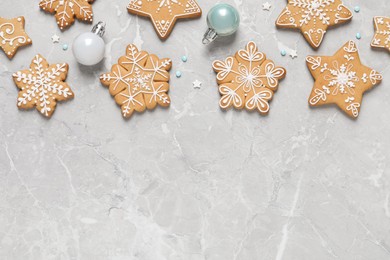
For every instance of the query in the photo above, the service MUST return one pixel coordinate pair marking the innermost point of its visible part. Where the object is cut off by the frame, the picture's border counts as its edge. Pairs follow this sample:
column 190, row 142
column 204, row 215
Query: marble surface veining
column 193, row 182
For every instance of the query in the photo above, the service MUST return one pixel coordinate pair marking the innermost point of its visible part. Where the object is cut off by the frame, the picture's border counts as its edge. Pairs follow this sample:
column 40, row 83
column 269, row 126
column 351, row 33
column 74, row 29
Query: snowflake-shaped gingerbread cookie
column 139, row 81
column 66, row 10
column 165, row 13
column 42, row 86
column 382, row 33
column 341, row 79
column 313, row 17
column 248, row 80
column 12, row 35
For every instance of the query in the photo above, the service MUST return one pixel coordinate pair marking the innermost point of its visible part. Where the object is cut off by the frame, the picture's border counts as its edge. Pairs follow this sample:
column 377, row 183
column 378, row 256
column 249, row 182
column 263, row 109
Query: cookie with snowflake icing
column 247, row 80
column 42, row 86
column 139, row 81
column 382, row 33
column 66, row 11
column 12, row 35
column 341, row 79
column 313, row 17
column 165, row 13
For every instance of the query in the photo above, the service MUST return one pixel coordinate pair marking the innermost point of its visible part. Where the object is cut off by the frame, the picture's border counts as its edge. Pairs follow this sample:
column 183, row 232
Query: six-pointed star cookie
column 382, row 33
column 164, row 13
column 12, row 35
column 313, row 17
column 42, row 86
column 66, row 10
column 341, row 79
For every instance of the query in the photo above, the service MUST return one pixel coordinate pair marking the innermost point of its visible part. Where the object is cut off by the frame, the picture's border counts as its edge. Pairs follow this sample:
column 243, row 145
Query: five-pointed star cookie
column 313, row 17
column 341, row 79
column 382, row 33
column 66, row 10
column 42, row 86
column 164, row 13
column 12, row 35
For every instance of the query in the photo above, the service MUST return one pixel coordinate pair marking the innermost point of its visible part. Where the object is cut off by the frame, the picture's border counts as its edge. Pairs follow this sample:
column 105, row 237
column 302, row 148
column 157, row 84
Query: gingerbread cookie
column 382, row 33
column 248, row 80
column 42, row 86
column 313, row 17
column 12, row 35
column 139, row 81
column 341, row 79
column 66, row 10
column 164, row 13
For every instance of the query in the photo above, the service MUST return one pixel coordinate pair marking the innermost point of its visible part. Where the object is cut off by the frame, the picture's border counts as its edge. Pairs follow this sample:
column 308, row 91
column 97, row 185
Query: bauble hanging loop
column 89, row 48
column 223, row 20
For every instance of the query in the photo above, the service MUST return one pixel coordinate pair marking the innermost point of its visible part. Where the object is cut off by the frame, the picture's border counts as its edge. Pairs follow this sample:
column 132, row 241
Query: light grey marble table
column 193, row 182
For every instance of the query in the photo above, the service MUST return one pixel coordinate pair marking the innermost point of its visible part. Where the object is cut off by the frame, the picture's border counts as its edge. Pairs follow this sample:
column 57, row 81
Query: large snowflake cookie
column 66, row 10
column 313, row 17
column 139, row 81
column 165, row 13
column 248, row 80
column 341, row 79
column 12, row 35
column 42, row 86
column 382, row 33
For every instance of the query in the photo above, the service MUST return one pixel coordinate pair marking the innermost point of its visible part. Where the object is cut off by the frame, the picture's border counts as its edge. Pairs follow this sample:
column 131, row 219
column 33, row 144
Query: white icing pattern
column 344, row 79
column 42, row 85
column 313, row 17
column 247, row 80
column 382, row 32
column 12, row 35
column 139, row 82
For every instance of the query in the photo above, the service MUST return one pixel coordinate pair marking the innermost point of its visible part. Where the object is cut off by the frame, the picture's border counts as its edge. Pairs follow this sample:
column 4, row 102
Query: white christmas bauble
column 88, row 49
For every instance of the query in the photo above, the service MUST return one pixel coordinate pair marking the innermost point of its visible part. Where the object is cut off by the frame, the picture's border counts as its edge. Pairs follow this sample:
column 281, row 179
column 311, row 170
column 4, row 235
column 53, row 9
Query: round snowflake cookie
column 313, row 17
column 341, row 79
column 248, row 80
column 42, row 86
column 66, row 10
column 139, row 81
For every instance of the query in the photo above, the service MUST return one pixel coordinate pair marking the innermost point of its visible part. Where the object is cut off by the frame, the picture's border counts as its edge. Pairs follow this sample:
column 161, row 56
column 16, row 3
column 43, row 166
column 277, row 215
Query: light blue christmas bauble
column 223, row 19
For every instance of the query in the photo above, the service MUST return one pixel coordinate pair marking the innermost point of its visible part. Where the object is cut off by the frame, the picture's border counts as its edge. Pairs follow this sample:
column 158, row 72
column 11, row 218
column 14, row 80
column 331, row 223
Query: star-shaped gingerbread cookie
column 382, row 33
column 165, row 13
column 341, row 79
column 66, row 10
column 12, row 35
column 313, row 17
column 42, row 86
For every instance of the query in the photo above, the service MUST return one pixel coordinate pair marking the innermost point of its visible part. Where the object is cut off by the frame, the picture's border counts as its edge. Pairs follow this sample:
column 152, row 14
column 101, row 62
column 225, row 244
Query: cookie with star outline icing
column 139, row 81
column 248, row 80
column 165, row 13
column 12, row 35
column 66, row 11
column 381, row 38
column 341, row 79
column 313, row 17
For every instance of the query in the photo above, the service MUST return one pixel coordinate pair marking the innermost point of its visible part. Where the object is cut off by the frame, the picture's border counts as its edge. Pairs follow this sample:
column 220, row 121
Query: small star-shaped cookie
column 12, row 35
column 313, row 17
column 382, row 33
column 164, row 13
column 42, row 86
column 341, row 79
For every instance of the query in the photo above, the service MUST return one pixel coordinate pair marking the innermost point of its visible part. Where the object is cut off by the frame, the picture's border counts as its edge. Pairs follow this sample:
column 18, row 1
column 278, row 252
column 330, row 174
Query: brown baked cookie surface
column 12, row 35
column 341, row 79
column 382, row 33
column 66, row 11
column 165, row 13
column 313, row 17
